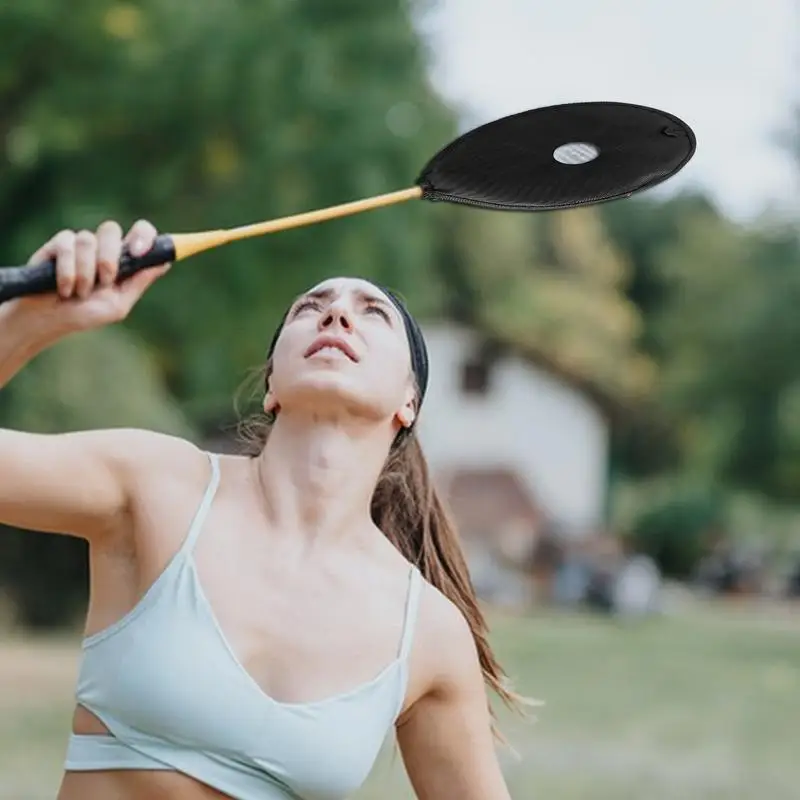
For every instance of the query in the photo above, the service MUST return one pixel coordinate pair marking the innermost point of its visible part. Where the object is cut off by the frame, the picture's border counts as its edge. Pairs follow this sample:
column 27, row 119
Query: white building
column 513, row 447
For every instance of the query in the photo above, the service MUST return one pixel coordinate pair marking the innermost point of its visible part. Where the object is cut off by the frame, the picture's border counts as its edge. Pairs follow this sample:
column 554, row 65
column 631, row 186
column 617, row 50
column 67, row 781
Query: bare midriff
column 134, row 785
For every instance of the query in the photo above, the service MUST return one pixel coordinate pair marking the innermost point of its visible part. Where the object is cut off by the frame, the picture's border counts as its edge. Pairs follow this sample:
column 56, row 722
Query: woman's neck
column 318, row 475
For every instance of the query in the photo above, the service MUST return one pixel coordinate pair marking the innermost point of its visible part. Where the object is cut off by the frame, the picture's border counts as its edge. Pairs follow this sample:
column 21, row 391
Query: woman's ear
column 270, row 404
column 407, row 414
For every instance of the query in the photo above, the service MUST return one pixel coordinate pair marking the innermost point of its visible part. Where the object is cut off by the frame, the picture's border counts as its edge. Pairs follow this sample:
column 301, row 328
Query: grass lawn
column 702, row 705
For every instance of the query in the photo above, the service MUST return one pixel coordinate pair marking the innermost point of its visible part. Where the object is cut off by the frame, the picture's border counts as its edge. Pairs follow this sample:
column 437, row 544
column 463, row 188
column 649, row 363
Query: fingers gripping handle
column 41, row 278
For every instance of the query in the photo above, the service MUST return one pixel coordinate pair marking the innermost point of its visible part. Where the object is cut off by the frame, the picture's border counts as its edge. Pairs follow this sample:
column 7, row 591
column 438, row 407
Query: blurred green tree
column 204, row 116
column 677, row 530
column 716, row 298
column 552, row 285
column 731, row 335
column 641, row 227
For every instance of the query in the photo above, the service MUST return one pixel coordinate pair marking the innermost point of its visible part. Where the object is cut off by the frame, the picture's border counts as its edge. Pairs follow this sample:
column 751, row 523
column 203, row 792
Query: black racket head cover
column 560, row 156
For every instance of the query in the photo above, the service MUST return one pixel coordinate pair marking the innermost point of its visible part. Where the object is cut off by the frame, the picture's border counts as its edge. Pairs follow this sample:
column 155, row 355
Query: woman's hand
column 88, row 295
column 86, row 273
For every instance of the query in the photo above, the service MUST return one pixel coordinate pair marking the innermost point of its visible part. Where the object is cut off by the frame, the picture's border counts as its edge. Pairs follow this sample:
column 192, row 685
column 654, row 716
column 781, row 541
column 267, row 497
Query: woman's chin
column 334, row 395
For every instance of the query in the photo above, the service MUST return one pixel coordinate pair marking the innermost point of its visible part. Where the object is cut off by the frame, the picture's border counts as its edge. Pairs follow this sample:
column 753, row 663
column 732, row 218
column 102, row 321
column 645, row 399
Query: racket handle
column 41, row 278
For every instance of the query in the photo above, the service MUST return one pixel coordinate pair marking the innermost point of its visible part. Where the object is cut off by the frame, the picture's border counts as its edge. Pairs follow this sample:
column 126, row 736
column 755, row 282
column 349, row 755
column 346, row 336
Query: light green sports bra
column 166, row 684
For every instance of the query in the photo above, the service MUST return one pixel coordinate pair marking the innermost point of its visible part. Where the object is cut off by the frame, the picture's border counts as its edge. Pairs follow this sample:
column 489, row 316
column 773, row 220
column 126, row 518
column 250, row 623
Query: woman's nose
column 337, row 315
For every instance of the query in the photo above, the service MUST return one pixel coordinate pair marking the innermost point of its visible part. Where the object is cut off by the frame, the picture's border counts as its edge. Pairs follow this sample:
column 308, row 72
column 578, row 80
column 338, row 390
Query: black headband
column 416, row 341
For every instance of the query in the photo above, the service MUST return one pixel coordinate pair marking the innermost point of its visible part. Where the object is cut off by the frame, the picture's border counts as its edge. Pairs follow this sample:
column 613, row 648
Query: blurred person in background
column 259, row 623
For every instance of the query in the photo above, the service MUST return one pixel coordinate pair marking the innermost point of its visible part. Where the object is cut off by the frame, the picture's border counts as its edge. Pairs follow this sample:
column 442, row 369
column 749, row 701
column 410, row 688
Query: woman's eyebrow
column 361, row 294
column 373, row 298
column 317, row 294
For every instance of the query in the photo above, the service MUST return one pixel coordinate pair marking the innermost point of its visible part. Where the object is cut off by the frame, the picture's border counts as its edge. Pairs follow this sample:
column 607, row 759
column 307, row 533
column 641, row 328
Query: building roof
column 613, row 407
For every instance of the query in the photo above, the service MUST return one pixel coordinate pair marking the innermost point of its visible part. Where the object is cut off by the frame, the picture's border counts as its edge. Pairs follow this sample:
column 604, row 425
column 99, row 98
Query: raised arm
column 71, row 483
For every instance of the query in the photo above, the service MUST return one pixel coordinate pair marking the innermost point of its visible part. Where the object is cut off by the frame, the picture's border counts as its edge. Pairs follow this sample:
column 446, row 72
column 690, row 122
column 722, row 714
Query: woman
column 257, row 624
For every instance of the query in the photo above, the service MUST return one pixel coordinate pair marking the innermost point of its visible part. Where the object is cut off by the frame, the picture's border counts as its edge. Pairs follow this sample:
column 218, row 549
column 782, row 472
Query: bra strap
column 205, row 504
column 412, row 608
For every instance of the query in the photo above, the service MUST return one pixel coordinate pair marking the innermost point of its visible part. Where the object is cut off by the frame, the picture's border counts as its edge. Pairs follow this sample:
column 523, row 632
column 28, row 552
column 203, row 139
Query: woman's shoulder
column 441, row 619
column 139, row 453
column 155, row 469
column 444, row 654
column 165, row 478
column 444, row 635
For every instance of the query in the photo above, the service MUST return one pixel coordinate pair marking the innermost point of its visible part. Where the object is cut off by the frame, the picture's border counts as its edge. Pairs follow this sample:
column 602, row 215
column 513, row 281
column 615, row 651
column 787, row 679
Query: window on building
column 475, row 376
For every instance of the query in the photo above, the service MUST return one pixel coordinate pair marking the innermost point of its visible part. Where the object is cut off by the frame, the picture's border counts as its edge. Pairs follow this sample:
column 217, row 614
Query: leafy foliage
column 675, row 529
column 554, row 285
column 215, row 115
column 731, row 373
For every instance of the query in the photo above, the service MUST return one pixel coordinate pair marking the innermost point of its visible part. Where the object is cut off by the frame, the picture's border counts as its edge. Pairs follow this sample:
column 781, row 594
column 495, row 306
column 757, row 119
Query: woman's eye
column 377, row 310
column 313, row 304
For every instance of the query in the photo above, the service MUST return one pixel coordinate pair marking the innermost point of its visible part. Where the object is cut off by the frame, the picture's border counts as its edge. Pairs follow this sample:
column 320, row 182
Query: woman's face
column 343, row 347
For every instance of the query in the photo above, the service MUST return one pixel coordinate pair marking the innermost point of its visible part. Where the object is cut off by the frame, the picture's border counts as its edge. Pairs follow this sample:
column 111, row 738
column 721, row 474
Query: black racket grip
column 41, row 278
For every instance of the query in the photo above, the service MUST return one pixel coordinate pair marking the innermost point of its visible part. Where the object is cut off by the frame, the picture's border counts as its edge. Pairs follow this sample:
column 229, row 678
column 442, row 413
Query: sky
column 728, row 68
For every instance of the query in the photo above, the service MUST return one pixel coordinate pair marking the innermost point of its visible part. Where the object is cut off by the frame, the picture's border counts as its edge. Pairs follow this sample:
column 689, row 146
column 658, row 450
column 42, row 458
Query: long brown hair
column 407, row 508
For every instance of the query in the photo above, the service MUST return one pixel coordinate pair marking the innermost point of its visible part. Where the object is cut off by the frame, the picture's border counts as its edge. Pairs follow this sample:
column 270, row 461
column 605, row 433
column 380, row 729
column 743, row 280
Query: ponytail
column 407, row 508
